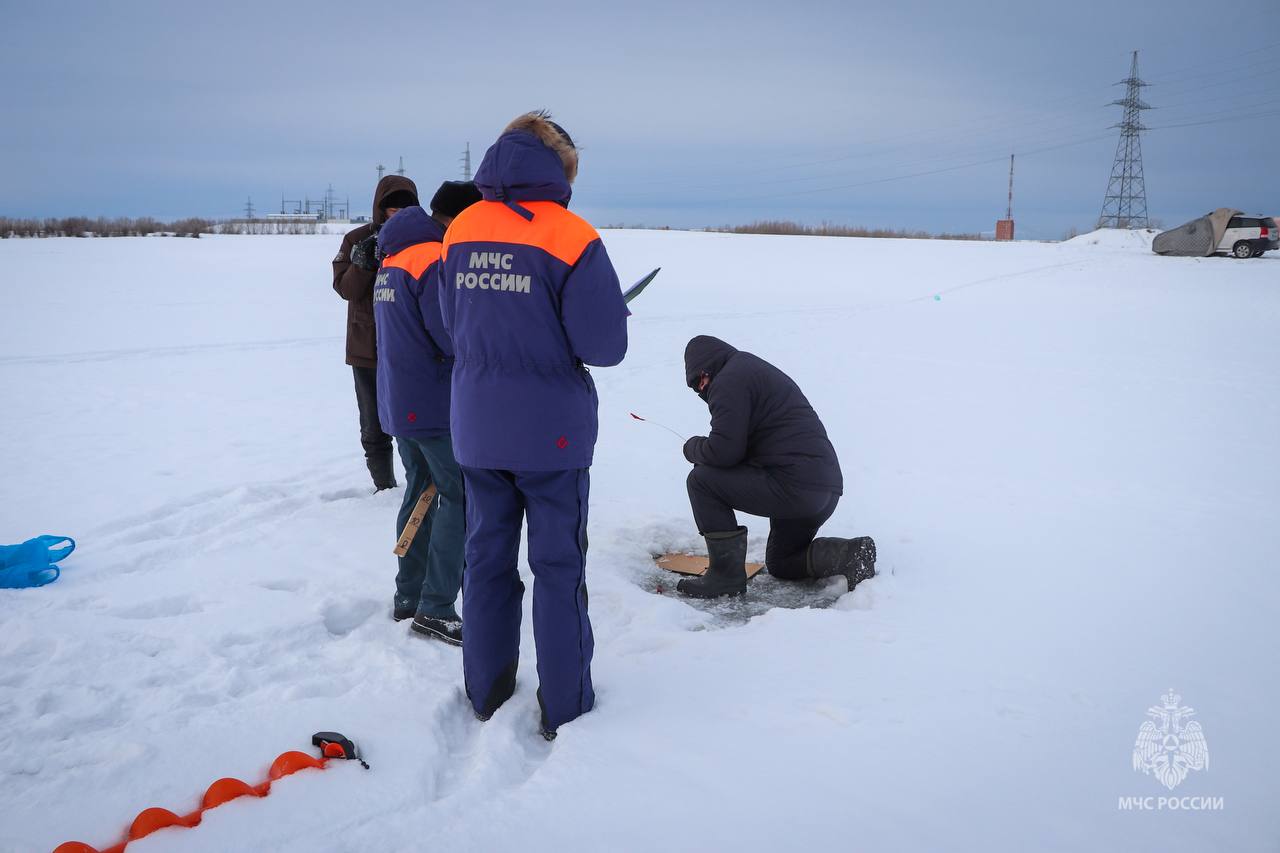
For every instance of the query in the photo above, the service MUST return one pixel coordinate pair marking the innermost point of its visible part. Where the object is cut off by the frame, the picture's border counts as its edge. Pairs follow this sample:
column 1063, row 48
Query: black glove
column 365, row 253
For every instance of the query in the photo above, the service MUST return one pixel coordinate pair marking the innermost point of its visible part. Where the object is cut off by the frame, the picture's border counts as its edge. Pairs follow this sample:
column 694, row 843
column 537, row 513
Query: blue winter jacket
column 414, row 356
column 529, row 297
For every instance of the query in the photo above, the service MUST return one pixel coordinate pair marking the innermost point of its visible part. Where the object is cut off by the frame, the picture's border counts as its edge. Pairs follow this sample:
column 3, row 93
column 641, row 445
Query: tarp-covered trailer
column 1199, row 238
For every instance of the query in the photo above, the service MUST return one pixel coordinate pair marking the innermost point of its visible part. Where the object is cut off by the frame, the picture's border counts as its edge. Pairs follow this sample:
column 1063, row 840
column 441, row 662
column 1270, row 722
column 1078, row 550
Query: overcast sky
column 688, row 113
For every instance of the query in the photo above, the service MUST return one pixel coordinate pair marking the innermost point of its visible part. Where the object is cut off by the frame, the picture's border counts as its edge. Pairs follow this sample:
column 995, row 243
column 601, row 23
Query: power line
column 1227, row 109
column 893, row 178
column 951, row 133
column 1022, row 142
column 1218, row 63
column 985, row 128
column 1246, row 117
column 1044, row 135
column 1233, row 81
column 985, row 139
column 1237, row 101
column 1027, row 131
column 1234, row 70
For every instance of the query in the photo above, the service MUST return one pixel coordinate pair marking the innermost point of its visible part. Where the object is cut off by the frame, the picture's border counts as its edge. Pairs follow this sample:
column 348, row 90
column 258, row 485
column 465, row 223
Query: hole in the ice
column 764, row 593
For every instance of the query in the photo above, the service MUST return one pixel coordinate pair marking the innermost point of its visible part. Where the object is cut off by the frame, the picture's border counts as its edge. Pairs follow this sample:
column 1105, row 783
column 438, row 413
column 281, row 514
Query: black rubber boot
column 727, row 569
column 853, row 558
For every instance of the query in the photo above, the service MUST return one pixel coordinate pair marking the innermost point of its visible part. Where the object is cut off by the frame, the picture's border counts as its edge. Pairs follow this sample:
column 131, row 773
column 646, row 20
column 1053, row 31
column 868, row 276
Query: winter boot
column 403, row 608
column 853, row 558
column 499, row 693
column 448, row 630
column 544, row 728
column 727, row 569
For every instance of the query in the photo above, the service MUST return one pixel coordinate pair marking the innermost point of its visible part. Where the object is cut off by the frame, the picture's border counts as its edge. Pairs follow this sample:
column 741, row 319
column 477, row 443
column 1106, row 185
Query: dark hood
column 409, row 227
column 386, row 186
column 705, row 354
column 519, row 167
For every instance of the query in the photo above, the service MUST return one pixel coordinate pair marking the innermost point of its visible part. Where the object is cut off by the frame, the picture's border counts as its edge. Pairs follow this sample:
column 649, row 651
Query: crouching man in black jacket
column 768, row 455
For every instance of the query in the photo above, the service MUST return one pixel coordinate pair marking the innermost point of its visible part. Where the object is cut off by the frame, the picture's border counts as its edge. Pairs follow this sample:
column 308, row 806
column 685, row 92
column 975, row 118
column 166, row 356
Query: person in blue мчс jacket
column 415, row 363
column 529, row 297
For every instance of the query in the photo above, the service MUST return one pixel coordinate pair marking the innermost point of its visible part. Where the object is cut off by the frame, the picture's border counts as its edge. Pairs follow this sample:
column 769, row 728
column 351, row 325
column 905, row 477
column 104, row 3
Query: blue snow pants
column 555, row 503
column 431, row 572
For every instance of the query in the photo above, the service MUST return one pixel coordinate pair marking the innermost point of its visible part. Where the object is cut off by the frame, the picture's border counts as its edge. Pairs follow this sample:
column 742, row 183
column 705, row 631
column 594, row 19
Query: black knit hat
column 400, row 199
column 453, row 197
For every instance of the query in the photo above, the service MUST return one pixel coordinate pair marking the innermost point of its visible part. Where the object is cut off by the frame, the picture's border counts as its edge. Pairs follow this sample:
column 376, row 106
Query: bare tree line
column 826, row 229
column 269, row 226
column 84, row 226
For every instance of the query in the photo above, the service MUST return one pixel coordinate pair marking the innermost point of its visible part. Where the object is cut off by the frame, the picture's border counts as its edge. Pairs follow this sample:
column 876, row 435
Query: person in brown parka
column 354, row 270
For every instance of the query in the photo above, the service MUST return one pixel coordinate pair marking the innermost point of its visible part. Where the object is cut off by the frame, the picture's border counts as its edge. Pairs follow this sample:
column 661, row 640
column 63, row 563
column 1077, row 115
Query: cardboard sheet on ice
column 692, row 564
column 1198, row 238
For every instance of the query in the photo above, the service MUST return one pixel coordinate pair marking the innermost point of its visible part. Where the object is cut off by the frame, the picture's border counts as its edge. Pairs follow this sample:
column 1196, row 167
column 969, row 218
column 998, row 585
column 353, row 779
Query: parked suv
column 1249, row 236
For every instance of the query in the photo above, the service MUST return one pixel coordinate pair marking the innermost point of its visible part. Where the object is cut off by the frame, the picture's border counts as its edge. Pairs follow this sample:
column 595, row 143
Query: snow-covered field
column 1067, row 454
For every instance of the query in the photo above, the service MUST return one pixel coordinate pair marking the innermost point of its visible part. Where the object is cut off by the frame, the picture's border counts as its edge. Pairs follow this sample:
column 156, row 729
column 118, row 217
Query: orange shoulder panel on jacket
column 415, row 259
column 554, row 229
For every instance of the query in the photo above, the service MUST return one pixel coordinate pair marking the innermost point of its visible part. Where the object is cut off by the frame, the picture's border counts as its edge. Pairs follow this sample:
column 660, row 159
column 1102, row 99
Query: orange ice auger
column 331, row 744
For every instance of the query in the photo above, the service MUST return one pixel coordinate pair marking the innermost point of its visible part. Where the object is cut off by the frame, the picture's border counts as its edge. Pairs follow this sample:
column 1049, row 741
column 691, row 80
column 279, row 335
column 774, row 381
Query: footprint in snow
column 343, row 495
column 284, row 585
column 319, row 688
column 160, row 608
column 501, row 754
column 456, row 730
column 341, row 618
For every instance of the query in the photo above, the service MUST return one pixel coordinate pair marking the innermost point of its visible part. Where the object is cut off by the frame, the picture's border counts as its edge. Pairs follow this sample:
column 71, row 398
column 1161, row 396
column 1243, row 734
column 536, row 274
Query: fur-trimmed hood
column 533, row 160
column 552, row 135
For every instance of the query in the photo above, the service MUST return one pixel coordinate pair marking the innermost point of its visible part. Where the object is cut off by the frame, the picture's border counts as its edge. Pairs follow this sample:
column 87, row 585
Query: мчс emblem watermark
column 1169, row 746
